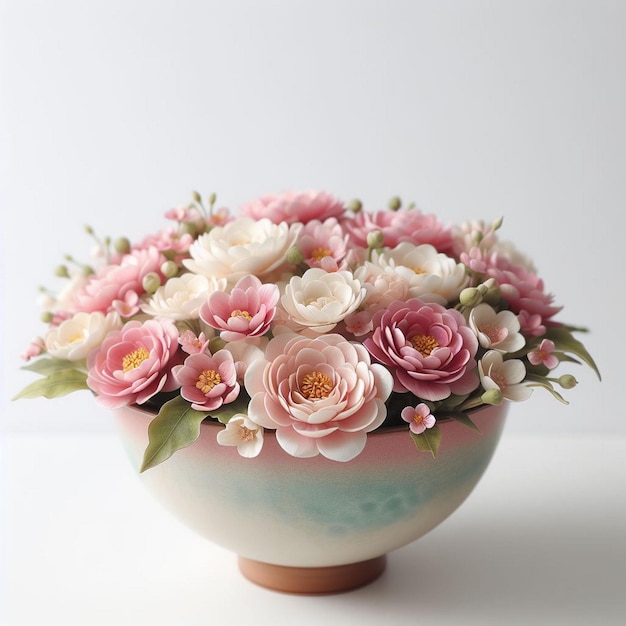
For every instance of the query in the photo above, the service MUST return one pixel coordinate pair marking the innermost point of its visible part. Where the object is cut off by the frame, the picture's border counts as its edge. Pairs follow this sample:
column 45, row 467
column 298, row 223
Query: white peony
column 243, row 246
column 79, row 335
column 432, row 276
column 181, row 297
column 319, row 300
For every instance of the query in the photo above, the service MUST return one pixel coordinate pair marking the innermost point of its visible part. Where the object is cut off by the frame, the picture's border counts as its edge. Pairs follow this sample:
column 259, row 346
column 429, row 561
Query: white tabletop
column 542, row 540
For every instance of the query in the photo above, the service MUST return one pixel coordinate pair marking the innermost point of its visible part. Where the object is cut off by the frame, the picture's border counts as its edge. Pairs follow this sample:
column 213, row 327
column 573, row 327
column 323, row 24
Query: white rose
column 432, row 276
column 181, row 297
column 244, row 246
column 76, row 337
column 319, row 300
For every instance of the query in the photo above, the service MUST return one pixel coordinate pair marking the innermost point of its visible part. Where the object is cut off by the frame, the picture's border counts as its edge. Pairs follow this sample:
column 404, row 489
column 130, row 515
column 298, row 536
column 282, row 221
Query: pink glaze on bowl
column 315, row 512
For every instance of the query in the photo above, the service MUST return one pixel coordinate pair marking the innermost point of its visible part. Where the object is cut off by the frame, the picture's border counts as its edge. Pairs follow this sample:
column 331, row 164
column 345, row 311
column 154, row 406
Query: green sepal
column 565, row 341
column 429, row 440
column 58, row 383
column 176, row 426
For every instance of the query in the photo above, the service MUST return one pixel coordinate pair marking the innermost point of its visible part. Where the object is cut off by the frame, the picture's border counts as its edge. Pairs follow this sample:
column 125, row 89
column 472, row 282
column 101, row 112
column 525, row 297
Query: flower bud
column 212, row 199
column 294, row 255
column 169, row 269
column 567, row 381
column 61, row 271
column 47, row 317
column 375, row 239
column 470, row 296
column 394, row 204
column 196, row 197
column 354, row 205
column 122, row 245
column 189, row 228
column 151, row 282
column 492, row 396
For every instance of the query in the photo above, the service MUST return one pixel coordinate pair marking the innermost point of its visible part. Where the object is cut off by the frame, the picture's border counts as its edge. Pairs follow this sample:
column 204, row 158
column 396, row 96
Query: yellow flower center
column 244, row 314
column 419, row 270
column 134, row 359
column 207, row 380
column 424, row 344
column 316, row 385
column 246, row 434
column 319, row 253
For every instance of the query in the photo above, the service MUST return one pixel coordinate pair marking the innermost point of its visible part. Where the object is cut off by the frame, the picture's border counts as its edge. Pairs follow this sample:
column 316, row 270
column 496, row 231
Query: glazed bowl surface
column 315, row 512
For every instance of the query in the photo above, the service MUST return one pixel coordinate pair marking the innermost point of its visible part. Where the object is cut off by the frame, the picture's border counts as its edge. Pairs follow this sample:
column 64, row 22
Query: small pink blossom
column 429, row 349
column 246, row 312
column 543, row 355
column 192, row 344
column 411, row 225
column 419, row 418
column 133, row 363
column 208, row 381
column 359, row 323
column 167, row 240
column 530, row 324
column 33, row 349
column 292, row 207
column 322, row 242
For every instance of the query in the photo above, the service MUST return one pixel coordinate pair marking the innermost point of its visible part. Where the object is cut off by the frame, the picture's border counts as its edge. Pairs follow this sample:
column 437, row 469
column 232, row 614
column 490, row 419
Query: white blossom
column 506, row 376
column 497, row 331
column 242, row 432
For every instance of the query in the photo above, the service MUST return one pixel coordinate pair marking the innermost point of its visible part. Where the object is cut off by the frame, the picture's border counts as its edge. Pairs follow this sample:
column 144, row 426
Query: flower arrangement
column 307, row 316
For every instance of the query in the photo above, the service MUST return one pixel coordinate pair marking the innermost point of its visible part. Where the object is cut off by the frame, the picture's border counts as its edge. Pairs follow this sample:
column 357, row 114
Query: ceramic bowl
column 300, row 514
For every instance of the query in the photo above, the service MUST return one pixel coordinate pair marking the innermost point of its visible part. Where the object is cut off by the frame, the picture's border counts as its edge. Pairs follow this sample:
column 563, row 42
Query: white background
column 112, row 112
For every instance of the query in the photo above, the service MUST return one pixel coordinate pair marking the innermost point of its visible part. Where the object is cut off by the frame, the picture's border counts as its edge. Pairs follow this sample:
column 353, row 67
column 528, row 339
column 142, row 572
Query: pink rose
column 292, row 206
column 133, row 363
column 246, row 312
column 429, row 349
column 208, row 381
column 321, row 395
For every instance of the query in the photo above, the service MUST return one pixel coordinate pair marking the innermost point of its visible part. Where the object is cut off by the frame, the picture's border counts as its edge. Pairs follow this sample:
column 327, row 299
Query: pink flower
column 33, row 349
column 208, row 381
column 133, row 363
column 168, row 240
column 419, row 418
column 321, row 395
column 192, row 344
column 412, row 226
column 521, row 288
column 321, row 242
column 118, row 287
column 531, row 324
column 543, row 355
column 246, row 312
column 429, row 349
column 292, row 206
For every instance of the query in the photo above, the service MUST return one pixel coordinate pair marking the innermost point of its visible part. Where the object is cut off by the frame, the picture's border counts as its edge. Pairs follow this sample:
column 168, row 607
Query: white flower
column 432, row 276
column 320, row 300
column 383, row 285
column 498, row 331
column 242, row 432
column 245, row 352
column 77, row 336
column 181, row 297
column 243, row 246
column 496, row 373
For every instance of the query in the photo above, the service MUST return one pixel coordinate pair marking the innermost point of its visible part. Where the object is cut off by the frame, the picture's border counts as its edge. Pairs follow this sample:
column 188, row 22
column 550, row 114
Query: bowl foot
column 312, row 580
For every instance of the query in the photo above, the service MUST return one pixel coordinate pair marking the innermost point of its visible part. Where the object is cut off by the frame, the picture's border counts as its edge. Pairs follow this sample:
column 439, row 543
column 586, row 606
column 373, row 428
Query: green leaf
column 429, row 440
column 47, row 366
column 176, row 426
column 58, row 383
column 565, row 341
column 464, row 419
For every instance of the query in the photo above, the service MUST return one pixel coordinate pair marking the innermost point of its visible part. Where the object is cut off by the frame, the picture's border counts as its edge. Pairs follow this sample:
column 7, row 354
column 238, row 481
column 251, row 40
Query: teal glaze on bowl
column 315, row 512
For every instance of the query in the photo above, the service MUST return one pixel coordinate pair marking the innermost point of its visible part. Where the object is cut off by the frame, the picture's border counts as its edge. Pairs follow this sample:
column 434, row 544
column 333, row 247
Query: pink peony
column 292, row 207
column 134, row 363
column 246, row 312
column 118, row 287
column 412, row 226
column 429, row 349
column 208, row 381
column 321, row 395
